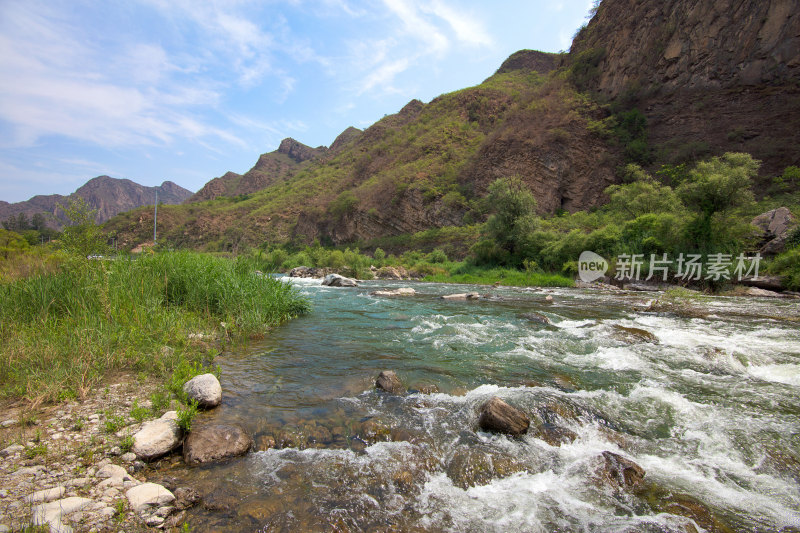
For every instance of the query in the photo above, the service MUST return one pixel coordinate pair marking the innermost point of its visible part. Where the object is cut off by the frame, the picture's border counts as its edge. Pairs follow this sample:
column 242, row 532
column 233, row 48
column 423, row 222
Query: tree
column 82, row 236
column 514, row 216
column 713, row 188
column 643, row 195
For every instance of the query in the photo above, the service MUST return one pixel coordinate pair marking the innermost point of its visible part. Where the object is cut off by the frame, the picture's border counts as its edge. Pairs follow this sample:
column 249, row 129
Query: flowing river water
column 709, row 408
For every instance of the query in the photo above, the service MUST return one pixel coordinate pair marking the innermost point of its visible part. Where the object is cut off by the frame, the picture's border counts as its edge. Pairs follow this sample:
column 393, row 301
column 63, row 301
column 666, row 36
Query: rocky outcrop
column 157, row 437
column 497, row 416
column 309, row 272
column 531, row 60
column 711, row 76
column 215, row 443
column 204, row 389
column 389, row 382
column 554, row 435
column 774, row 228
column 335, row 280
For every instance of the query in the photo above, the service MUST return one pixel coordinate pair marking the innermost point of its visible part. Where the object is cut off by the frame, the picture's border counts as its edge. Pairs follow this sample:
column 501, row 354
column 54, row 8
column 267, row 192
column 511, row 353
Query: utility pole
column 155, row 219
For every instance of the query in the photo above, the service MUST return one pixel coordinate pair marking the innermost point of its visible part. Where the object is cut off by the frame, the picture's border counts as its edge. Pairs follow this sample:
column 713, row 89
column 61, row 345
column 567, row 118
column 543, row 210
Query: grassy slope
column 395, row 154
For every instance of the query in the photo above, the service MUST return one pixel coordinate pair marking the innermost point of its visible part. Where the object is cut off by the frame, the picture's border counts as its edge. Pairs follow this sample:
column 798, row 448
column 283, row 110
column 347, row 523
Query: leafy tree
column 514, row 216
column 712, row 189
column 641, row 196
column 82, row 236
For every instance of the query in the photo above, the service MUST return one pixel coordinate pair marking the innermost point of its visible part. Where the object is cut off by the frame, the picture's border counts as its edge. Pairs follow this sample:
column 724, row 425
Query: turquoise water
column 710, row 412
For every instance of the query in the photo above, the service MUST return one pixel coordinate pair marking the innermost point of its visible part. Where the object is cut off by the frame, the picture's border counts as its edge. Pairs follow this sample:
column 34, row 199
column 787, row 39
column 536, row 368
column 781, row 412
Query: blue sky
column 185, row 90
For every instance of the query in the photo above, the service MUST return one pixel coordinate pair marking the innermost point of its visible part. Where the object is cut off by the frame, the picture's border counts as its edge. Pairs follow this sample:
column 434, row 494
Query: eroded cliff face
column 687, row 44
column 711, row 76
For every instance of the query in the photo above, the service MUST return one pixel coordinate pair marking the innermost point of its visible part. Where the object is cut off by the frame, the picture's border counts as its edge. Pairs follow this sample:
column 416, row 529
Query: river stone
column 536, row 317
column 554, row 435
column 148, row 495
column 762, row 293
column 335, row 280
column 185, row 497
column 11, row 450
column 402, row 291
column 51, row 513
column 388, row 381
column 215, row 442
column 621, row 472
column 112, row 471
column 633, row 335
column 496, row 415
column 462, row 296
column 204, row 389
column 46, row 495
column 157, row 437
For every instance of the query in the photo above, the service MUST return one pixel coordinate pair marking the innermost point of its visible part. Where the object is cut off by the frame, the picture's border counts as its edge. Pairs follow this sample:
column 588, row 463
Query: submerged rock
column 204, row 389
column 621, row 472
column 158, row 437
column 496, row 415
column 554, row 435
column 402, row 291
column 214, row 443
column 633, row 335
column 462, row 296
column 536, row 317
column 335, row 280
column 389, row 382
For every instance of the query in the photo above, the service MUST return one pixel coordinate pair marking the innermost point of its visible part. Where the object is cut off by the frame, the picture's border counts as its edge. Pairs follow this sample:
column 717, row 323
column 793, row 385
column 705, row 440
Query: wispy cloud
column 53, row 82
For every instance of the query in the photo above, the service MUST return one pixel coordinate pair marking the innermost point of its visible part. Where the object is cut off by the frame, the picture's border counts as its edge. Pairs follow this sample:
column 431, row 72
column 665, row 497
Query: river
column 709, row 409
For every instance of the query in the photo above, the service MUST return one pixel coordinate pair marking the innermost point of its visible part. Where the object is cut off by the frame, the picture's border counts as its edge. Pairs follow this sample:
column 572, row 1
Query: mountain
column 653, row 82
column 711, row 76
column 280, row 165
column 109, row 196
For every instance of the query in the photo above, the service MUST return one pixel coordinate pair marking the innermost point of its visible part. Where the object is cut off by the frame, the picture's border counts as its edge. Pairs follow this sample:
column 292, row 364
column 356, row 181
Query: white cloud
column 53, row 81
column 468, row 29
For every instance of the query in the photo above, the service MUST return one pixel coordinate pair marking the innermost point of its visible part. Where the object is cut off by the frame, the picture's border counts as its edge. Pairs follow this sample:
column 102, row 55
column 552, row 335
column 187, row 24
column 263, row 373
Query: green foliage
column 186, row 414
column 712, row 189
column 82, row 237
column 63, row 331
column 787, row 266
column 139, row 413
column 514, row 209
column 126, row 444
column 344, row 204
column 113, row 423
column 36, row 450
column 474, row 275
column 585, row 71
column 379, row 255
column 642, row 195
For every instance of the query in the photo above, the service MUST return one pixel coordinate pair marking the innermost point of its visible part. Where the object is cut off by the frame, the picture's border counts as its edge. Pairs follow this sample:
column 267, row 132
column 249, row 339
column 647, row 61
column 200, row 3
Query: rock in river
column 621, row 472
column 462, row 296
column 497, row 415
column 536, row 317
column 402, row 291
column 388, row 381
column 215, row 442
column 335, row 280
column 158, row 437
column 633, row 335
column 204, row 389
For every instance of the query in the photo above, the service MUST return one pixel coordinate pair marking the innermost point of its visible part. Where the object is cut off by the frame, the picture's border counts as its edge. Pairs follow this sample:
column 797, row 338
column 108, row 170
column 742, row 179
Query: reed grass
column 62, row 332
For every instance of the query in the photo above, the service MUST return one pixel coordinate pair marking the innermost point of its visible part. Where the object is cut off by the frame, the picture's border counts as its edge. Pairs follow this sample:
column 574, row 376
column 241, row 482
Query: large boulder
column 157, row 437
column 389, row 272
column 389, row 382
column 774, row 229
column 204, row 389
column 335, row 280
column 215, row 443
column 496, row 415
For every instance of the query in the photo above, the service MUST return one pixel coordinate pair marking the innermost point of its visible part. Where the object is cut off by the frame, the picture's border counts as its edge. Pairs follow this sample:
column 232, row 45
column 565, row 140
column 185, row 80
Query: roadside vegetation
column 65, row 324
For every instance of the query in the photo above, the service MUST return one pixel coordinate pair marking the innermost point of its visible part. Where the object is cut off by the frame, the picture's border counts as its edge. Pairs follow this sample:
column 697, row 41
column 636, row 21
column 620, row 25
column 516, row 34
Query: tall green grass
column 61, row 332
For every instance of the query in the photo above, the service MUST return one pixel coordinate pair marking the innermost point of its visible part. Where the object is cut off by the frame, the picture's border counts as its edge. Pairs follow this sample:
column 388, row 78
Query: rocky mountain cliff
column 109, row 196
column 711, row 76
column 273, row 167
column 707, row 76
